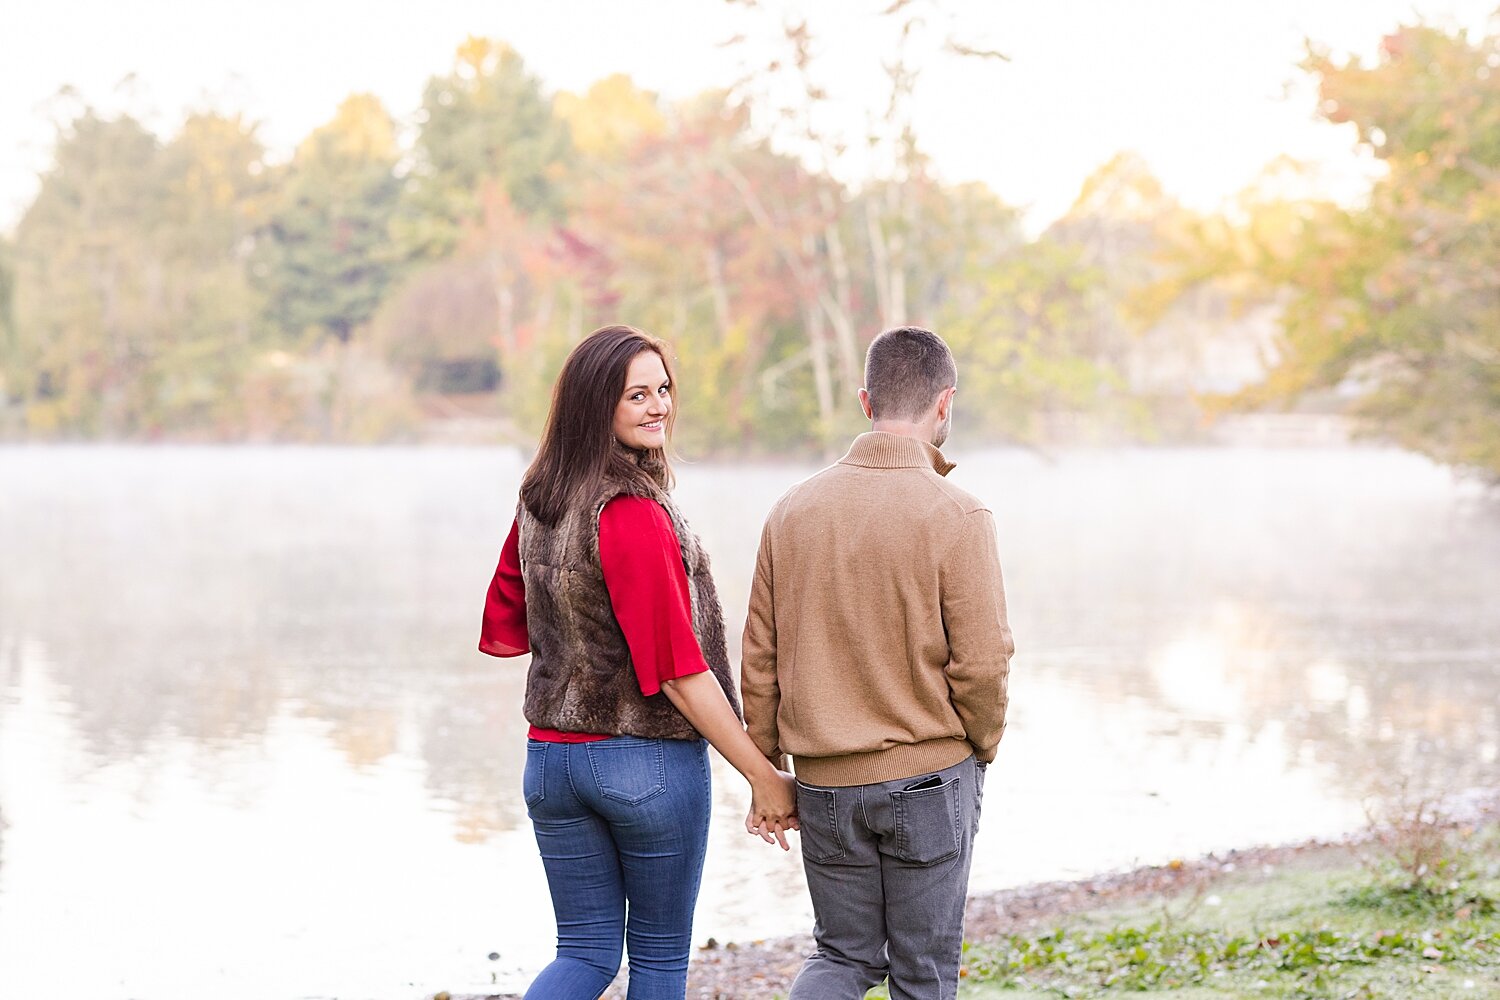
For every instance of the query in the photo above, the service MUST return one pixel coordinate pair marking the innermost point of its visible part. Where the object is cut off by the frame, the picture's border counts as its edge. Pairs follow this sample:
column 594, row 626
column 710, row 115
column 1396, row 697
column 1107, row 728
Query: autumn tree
column 83, row 263
column 325, row 259
column 1019, row 320
column 7, row 300
column 215, row 192
column 847, row 233
column 606, row 121
column 485, row 123
column 460, row 324
column 130, row 295
column 714, row 279
column 186, row 287
column 1395, row 302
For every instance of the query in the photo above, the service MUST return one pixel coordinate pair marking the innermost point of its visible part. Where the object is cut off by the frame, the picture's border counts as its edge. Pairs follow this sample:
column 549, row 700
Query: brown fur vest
column 581, row 678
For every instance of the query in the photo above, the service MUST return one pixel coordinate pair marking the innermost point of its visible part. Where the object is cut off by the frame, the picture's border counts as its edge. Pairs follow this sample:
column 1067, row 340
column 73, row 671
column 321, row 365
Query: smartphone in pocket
column 932, row 781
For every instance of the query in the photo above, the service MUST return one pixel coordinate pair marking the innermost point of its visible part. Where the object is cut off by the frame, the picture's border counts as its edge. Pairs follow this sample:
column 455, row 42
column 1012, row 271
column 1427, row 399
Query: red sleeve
column 504, row 630
column 648, row 588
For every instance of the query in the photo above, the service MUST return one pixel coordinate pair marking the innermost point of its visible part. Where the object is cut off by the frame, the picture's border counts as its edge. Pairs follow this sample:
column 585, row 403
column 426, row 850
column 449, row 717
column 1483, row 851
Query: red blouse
column 648, row 589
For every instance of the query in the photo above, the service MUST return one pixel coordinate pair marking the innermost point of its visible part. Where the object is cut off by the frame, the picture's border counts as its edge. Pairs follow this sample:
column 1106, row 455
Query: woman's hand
column 773, row 808
column 773, row 793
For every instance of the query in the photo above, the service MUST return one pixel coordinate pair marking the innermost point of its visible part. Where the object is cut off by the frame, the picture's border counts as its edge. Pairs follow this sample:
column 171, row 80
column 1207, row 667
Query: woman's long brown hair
column 578, row 447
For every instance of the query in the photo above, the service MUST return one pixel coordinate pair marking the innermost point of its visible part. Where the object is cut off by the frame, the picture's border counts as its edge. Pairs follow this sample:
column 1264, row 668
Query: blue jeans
column 622, row 825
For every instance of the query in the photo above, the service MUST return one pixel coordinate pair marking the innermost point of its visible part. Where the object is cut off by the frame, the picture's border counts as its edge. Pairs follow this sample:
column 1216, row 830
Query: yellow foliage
column 610, row 117
column 477, row 56
column 361, row 130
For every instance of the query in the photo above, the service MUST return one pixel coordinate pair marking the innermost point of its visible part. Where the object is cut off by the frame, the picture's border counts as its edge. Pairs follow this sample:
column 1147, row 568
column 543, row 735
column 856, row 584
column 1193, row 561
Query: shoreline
column 766, row 967
column 760, row 968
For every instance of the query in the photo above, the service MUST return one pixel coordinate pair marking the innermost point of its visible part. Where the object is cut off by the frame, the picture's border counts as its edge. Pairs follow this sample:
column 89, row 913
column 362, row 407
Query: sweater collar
column 882, row 450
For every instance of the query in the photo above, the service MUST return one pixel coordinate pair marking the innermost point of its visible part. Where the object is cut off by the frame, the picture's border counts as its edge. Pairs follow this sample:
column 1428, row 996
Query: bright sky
column 1206, row 92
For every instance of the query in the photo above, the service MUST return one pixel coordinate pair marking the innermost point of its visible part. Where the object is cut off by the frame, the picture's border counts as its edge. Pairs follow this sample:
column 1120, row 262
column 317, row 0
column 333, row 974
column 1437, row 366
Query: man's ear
column 864, row 404
column 945, row 402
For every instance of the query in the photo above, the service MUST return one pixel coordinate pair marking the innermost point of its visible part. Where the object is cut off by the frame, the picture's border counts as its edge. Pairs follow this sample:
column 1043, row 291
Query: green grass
column 1341, row 933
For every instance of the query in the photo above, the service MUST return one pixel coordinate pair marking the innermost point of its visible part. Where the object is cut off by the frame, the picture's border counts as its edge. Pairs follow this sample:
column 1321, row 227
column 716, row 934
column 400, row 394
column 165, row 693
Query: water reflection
column 240, row 685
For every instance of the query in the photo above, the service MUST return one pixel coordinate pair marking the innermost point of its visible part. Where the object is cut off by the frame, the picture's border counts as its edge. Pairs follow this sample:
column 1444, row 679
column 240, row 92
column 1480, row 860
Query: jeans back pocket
column 927, row 822
column 534, row 778
column 628, row 769
column 818, row 820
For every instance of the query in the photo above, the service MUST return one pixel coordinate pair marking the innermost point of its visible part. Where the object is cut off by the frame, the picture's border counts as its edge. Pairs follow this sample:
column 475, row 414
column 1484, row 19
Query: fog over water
column 248, row 748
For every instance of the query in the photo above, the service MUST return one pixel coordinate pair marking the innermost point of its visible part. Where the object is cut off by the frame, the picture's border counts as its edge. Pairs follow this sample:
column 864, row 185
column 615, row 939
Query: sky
column 1206, row 92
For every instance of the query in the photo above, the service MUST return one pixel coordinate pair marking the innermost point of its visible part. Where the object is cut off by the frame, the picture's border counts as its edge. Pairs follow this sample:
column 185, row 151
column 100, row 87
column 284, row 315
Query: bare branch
column 960, row 49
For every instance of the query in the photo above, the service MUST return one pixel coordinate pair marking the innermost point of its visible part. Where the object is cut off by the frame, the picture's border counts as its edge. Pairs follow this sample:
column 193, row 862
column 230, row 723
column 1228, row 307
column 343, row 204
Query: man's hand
column 773, row 809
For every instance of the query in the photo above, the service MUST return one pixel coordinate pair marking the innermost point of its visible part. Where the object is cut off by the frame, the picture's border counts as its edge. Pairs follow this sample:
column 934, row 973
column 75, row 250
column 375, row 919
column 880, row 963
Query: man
column 876, row 654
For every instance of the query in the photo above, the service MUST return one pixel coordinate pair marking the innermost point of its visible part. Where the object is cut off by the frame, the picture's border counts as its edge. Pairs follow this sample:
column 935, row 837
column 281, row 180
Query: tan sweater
column 876, row 646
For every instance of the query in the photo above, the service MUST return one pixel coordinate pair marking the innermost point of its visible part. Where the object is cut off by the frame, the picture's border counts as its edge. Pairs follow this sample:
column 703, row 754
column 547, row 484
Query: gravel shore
column 759, row 969
column 756, row 970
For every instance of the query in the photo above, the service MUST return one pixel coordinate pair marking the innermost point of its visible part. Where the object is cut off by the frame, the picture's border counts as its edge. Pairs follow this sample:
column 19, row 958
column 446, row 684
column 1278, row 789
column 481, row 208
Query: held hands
column 773, row 808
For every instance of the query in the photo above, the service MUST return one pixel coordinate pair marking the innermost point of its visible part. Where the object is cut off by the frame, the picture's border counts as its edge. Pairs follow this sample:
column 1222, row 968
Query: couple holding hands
column 875, row 654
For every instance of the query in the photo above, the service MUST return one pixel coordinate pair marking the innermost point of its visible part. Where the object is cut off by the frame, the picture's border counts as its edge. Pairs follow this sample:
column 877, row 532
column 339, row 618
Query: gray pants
column 888, row 872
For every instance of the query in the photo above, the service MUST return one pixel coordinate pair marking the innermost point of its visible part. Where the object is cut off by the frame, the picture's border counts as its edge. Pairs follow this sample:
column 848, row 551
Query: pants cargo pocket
column 927, row 823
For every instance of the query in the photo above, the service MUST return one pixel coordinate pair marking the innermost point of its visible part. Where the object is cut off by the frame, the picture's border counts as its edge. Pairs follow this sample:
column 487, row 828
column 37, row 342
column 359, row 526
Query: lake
column 248, row 748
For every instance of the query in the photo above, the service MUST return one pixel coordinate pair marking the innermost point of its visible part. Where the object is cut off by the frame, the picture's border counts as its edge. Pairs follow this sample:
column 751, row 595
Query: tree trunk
column 896, row 262
column 880, row 269
column 812, row 318
column 839, row 305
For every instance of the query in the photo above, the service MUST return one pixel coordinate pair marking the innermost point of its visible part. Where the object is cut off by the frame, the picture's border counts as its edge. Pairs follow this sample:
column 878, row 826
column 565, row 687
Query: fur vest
column 581, row 677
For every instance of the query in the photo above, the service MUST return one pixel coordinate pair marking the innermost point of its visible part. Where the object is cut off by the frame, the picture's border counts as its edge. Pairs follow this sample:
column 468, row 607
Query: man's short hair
column 905, row 369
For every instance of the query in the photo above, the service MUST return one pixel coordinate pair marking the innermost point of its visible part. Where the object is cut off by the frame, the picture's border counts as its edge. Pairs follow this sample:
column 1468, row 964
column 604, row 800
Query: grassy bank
column 1330, row 924
column 1407, row 911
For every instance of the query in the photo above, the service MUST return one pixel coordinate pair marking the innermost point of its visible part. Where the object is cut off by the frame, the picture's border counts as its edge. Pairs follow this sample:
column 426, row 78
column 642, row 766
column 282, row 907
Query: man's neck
column 905, row 428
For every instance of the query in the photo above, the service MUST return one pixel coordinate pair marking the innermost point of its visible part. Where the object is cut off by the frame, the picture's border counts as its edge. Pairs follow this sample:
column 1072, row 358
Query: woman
column 604, row 583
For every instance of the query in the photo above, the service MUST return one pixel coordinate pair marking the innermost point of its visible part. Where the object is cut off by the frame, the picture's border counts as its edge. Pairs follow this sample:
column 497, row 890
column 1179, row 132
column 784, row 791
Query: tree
column 7, row 301
column 9, row 370
column 131, row 305
column 1397, row 302
column 836, row 245
column 1019, row 325
column 325, row 261
column 714, row 280
column 610, row 117
column 485, row 121
column 215, row 192
column 453, row 323
column 85, row 261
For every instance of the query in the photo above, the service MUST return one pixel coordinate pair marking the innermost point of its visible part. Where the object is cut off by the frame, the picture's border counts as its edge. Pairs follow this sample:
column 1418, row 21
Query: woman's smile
column 645, row 404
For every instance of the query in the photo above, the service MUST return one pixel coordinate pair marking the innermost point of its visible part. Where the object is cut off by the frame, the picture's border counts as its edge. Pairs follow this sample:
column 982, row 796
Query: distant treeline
column 193, row 289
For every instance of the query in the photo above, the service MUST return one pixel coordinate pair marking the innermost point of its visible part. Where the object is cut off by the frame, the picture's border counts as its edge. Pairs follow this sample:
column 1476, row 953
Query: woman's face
column 641, row 414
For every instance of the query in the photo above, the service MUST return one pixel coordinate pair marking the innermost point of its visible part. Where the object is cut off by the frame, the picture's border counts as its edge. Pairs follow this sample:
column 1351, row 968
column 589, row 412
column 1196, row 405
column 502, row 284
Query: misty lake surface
column 248, row 749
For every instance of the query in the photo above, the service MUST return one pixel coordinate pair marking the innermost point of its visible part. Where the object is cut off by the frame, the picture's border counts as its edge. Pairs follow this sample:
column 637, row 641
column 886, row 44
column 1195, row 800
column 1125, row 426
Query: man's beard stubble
column 941, row 434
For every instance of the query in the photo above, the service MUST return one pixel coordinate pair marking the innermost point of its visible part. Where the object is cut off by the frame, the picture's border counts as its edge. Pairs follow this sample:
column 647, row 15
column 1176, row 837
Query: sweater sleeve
column 979, row 639
column 503, row 631
column 648, row 590
column 759, row 690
